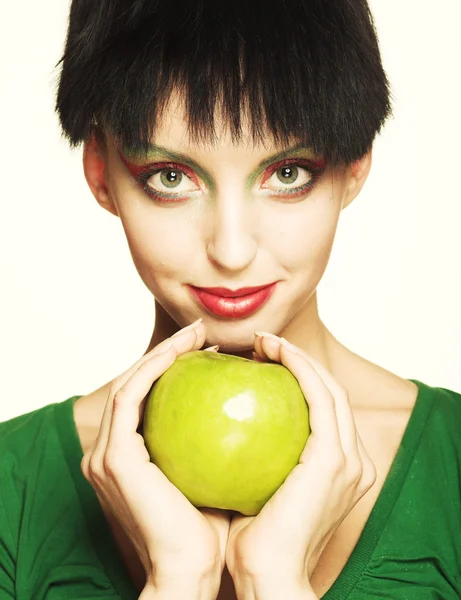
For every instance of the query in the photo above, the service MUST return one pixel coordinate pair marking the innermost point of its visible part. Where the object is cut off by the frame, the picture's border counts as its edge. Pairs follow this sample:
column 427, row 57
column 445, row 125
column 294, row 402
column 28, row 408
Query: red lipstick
column 233, row 304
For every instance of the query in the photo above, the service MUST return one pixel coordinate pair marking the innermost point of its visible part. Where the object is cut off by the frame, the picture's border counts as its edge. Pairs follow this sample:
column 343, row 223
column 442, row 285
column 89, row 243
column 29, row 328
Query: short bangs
column 305, row 70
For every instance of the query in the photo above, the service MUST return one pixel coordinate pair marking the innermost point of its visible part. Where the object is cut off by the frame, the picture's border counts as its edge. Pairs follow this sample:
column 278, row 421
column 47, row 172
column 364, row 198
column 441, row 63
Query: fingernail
column 212, row 349
column 188, row 328
column 266, row 334
column 289, row 345
column 257, row 358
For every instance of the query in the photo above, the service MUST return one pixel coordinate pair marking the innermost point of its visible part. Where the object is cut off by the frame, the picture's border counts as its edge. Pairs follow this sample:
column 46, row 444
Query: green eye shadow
column 293, row 152
column 156, row 153
column 159, row 153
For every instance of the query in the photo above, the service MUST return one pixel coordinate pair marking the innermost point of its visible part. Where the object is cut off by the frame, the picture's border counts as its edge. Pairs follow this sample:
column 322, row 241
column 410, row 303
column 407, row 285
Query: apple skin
column 226, row 430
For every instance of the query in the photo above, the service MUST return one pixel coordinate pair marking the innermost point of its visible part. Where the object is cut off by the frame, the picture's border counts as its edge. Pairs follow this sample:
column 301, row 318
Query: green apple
column 226, row 430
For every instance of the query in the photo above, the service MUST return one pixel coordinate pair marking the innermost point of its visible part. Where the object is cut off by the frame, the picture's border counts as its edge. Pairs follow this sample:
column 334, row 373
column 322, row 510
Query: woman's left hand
column 276, row 552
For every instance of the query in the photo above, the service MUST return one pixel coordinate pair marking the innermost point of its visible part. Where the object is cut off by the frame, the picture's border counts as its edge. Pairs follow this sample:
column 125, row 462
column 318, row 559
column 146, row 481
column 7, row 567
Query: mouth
column 232, row 304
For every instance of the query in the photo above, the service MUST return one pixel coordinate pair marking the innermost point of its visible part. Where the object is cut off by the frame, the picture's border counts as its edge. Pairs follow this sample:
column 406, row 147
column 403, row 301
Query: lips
column 233, row 304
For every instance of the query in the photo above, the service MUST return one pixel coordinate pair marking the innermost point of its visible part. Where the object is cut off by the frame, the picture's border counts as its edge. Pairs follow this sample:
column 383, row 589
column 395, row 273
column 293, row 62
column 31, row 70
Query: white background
column 74, row 312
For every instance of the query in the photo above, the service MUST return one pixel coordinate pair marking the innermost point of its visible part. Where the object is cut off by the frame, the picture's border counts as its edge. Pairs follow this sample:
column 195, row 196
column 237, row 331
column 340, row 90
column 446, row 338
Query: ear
column 95, row 168
column 358, row 173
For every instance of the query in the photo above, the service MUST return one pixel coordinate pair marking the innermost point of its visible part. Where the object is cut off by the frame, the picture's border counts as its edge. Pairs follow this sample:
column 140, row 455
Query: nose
column 232, row 244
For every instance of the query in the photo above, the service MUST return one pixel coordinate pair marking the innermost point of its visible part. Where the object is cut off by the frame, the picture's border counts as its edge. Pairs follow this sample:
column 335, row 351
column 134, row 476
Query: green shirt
column 55, row 542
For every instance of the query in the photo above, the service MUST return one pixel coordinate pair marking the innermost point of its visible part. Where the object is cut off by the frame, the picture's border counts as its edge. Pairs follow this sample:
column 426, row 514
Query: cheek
column 303, row 234
column 161, row 242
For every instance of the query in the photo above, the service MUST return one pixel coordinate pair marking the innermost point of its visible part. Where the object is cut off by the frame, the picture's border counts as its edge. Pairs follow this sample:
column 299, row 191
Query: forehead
column 172, row 129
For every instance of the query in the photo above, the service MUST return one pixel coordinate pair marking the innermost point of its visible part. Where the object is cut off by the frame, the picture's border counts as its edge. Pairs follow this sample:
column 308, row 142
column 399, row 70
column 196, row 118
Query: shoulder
column 445, row 415
column 32, row 460
column 41, row 516
column 19, row 432
column 442, row 401
column 450, row 398
column 29, row 453
column 438, row 409
column 412, row 407
column 9, row 428
column 25, row 439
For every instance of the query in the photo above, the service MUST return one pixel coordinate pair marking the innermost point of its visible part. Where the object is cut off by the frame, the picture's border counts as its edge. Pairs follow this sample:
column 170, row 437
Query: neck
column 164, row 327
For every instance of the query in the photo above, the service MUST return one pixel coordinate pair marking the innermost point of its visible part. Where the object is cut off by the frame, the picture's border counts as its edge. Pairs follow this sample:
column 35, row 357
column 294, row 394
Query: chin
column 230, row 341
column 235, row 337
column 234, row 347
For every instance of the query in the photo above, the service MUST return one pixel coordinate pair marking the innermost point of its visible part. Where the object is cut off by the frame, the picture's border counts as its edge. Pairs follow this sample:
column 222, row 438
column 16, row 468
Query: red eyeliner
column 141, row 172
column 312, row 166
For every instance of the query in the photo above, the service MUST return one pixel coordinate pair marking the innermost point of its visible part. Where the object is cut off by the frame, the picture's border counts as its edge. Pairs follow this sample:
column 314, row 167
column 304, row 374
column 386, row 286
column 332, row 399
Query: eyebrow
column 155, row 150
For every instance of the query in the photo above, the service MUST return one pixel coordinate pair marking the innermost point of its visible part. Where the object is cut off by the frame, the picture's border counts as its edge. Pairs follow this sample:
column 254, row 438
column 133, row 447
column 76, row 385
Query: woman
column 228, row 139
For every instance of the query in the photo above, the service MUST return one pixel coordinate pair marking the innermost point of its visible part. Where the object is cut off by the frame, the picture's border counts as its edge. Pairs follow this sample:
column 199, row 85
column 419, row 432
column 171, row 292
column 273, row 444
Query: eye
column 170, row 180
column 293, row 177
column 289, row 176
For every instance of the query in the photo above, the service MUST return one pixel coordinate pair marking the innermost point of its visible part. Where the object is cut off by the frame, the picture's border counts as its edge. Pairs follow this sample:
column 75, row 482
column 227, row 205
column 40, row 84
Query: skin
column 228, row 236
column 231, row 231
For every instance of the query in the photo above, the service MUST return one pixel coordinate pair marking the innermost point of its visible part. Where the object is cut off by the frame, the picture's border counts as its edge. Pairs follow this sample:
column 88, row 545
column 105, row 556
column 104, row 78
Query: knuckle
column 94, row 470
column 84, row 467
column 369, row 476
column 112, row 463
column 337, row 462
column 355, row 471
column 120, row 398
column 115, row 386
column 147, row 364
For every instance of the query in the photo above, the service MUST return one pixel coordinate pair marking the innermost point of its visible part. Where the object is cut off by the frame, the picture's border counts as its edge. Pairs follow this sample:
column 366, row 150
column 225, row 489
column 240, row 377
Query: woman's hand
column 175, row 542
column 279, row 548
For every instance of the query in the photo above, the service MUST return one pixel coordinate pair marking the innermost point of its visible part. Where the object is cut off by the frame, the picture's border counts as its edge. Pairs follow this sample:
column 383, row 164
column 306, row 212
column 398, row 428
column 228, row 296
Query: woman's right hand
column 174, row 541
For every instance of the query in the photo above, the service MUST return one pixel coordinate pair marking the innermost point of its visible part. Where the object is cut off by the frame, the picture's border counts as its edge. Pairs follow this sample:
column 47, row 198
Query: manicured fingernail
column 268, row 335
column 288, row 345
column 212, row 349
column 188, row 328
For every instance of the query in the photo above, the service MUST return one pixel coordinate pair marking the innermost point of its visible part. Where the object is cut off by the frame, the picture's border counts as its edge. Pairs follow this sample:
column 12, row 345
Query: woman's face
column 226, row 216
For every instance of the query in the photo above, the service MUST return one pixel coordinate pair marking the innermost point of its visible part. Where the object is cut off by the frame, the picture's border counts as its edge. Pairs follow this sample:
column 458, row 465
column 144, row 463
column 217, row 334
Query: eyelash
column 312, row 167
column 145, row 173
